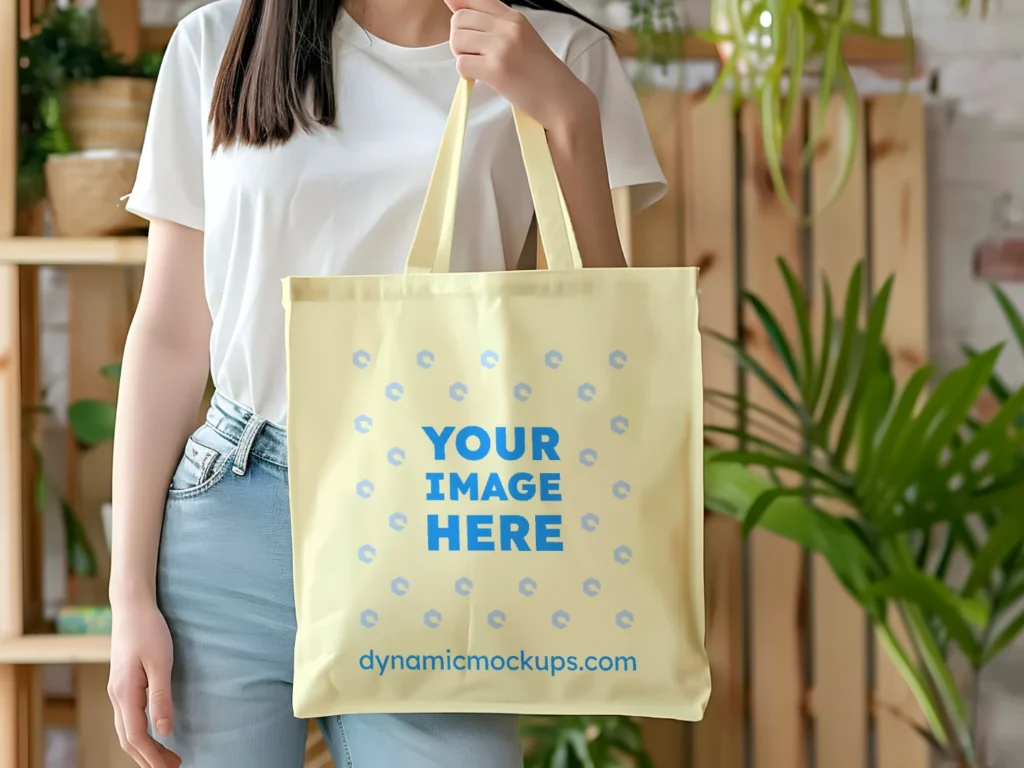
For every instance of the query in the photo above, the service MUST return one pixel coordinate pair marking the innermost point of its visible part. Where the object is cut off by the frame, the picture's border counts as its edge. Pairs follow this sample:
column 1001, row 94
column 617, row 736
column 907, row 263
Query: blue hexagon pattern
column 560, row 619
column 623, row 555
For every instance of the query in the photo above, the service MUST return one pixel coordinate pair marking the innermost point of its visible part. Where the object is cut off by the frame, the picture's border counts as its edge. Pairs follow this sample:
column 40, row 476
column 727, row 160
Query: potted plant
column 82, row 116
column 920, row 482
column 584, row 742
column 767, row 46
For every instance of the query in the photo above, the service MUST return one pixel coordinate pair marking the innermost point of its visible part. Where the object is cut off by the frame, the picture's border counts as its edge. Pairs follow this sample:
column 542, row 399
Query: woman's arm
column 577, row 149
column 498, row 46
column 163, row 376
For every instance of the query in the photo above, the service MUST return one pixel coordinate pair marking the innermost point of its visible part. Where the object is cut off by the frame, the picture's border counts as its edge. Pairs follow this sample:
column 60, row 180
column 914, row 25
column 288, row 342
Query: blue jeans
column 224, row 584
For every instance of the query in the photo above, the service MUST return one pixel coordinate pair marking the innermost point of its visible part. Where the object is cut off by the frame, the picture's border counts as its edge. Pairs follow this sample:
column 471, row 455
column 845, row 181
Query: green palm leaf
column 776, row 337
column 844, row 356
column 798, row 299
column 753, row 366
column 824, row 358
column 869, row 361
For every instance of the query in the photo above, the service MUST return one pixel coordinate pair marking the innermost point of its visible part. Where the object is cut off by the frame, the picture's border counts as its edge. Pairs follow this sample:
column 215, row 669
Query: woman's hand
column 140, row 664
column 496, row 45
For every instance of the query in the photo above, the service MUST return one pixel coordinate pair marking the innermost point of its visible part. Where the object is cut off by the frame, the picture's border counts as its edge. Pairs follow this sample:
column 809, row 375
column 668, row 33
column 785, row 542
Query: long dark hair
column 279, row 51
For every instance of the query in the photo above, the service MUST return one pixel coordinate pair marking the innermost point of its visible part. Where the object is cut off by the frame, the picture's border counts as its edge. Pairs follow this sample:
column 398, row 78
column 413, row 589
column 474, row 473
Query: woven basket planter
column 85, row 191
column 109, row 113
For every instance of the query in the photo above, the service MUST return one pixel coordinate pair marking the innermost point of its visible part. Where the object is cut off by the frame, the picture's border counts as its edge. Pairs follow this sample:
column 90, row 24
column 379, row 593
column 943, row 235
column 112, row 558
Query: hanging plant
column 767, row 47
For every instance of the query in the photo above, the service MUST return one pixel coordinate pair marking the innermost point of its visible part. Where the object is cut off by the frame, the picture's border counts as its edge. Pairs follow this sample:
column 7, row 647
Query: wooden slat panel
column 11, row 617
column 9, row 757
column 10, row 425
column 896, row 130
column 122, row 21
column 840, row 639
column 8, row 109
column 665, row 742
column 776, row 565
column 656, row 230
column 654, row 236
column 709, row 230
column 99, row 311
column 31, row 393
column 30, row 717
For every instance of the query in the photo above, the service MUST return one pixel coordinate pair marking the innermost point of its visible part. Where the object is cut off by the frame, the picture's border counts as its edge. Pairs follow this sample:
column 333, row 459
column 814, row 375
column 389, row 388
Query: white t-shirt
column 345, row 200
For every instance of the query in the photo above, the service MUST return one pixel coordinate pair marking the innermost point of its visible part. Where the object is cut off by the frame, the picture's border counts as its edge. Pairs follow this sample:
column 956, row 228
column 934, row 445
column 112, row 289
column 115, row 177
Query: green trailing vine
column 768, row 49
column 69, row 45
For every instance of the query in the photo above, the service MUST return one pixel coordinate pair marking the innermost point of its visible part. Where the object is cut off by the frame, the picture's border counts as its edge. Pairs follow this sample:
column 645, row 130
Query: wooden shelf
column 74, row 251
column 858, row 50
column 55, row 649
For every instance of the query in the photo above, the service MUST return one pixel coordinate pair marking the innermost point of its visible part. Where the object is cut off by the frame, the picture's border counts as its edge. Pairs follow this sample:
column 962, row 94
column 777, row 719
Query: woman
column 296, row 137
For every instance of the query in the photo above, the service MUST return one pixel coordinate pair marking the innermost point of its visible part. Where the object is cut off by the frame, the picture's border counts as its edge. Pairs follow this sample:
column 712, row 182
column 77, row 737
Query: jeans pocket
column 203, row 464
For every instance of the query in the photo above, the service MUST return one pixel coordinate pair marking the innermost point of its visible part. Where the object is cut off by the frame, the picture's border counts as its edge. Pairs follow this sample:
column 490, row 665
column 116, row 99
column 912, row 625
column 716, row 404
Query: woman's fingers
column 133, row 712
column 474, row 67
column 122, row 739
column 472, row 19
column 470, row 42
column 171, row 759
column 491, row 7
column 161, row 709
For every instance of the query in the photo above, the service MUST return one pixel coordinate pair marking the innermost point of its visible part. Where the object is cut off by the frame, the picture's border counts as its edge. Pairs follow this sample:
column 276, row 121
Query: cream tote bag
column 496, row 478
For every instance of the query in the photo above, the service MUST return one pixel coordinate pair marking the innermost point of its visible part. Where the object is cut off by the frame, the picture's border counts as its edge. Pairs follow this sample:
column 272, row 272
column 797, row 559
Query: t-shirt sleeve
column 169, row 184
column 627, row 142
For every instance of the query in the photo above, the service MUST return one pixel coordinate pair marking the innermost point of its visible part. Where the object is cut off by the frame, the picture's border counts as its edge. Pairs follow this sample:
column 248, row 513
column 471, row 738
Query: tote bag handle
column 432, row 244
